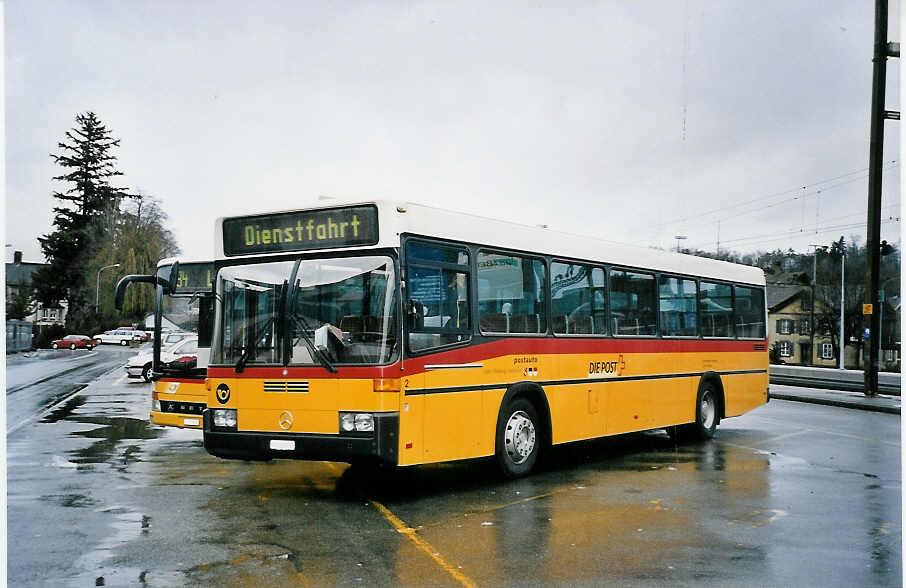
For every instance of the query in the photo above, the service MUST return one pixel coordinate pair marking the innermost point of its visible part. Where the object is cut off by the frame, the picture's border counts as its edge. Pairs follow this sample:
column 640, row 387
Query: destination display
column 193, row 277
column 301, row 230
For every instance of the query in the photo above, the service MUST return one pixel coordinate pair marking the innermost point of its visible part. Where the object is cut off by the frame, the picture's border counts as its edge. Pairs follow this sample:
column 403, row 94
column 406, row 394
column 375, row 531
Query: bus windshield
column 185, row 314
column 340, row 310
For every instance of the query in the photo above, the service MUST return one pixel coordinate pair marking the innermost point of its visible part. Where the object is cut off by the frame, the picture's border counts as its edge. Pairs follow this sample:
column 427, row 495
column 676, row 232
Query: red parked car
column 73, row 342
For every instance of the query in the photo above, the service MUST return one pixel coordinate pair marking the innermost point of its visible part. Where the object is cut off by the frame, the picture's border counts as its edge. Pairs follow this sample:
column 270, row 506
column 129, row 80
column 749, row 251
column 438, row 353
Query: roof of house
column 780, row 294
column 20, row 273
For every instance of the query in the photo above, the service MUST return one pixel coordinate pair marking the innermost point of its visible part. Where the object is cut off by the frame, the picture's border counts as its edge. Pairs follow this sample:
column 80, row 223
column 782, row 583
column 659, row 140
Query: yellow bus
column 405, row 334
column 177, row 364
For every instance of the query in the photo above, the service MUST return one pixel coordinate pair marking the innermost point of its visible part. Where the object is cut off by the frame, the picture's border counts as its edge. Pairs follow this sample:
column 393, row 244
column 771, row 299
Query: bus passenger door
column 412, row 416
column 452, row 418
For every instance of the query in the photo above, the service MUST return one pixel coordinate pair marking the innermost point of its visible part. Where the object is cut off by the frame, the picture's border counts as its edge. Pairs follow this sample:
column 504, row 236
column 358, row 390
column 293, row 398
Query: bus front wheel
column 517, row 440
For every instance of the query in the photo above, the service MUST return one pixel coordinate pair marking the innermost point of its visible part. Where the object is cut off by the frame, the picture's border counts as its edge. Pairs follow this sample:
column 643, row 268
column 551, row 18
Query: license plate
column 191, row 422
column 282, row 445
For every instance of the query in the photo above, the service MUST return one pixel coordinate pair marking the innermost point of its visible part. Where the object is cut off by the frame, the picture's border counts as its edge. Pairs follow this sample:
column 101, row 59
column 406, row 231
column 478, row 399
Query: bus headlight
column 224, row 418
column 155, row 405
column 362, row 422
column 347, row 422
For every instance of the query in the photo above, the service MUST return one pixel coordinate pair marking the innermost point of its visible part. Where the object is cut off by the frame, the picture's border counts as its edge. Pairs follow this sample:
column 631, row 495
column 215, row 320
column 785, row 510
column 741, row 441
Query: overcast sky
column 633, row 121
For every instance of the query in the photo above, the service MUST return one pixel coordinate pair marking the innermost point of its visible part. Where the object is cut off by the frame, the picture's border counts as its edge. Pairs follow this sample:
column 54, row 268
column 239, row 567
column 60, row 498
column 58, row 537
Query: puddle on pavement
column 282, row 565
column 127, row 525
column 69, row 500
column 113, row 431
column 117, row 428
column 61, row 412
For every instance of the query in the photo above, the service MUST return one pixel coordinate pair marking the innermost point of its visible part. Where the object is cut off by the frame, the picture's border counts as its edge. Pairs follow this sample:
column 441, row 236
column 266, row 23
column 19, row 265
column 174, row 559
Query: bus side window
column 716, row 307
column 438, row 291
column 511, row 294
column 633, row 298
column 749, row 312
column 677, row 307
column 577, row 299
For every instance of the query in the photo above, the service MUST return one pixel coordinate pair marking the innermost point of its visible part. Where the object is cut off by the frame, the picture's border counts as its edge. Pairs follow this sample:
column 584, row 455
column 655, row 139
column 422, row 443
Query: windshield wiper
column 299, row 322
column 302, row 325
column 244, row 357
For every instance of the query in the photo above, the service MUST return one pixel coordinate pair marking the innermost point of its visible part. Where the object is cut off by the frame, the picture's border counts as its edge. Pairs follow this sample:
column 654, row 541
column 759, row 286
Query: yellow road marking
column 426, row 547
column 120, row 380
column 410, row 533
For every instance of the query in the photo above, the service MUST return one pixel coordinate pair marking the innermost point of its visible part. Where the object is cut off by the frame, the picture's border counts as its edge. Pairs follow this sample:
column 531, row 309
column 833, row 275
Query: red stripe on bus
column 510, row 346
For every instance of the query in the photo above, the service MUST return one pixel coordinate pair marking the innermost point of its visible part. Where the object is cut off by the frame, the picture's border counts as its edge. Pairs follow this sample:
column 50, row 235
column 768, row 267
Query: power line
column 797, row 197
column 697, row 216
column 789, row 233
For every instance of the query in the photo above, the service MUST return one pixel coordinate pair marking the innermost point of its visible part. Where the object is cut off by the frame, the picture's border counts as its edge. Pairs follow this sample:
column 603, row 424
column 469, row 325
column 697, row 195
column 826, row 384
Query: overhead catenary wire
column 820, row 224
column 761, row 200
column 789, row 233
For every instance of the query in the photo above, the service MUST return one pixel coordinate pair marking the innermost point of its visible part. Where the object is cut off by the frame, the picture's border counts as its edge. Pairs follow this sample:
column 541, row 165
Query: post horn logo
column 286, row 420
column 223, row 393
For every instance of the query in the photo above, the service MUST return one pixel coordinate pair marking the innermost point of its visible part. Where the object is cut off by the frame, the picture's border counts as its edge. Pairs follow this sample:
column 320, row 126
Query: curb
column 840, row 403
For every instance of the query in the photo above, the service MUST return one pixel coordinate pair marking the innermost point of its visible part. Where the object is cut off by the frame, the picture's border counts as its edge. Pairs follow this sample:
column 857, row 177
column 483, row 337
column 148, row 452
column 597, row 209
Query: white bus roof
column 169, row 261
column 397, row 217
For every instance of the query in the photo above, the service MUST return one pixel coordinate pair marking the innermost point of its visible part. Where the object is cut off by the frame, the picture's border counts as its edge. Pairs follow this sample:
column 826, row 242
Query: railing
column 831, row 378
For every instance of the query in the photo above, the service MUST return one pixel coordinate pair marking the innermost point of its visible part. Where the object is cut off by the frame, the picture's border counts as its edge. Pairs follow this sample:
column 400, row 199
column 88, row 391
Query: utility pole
column 842, row 298
column 811, row 320
column 882, row 49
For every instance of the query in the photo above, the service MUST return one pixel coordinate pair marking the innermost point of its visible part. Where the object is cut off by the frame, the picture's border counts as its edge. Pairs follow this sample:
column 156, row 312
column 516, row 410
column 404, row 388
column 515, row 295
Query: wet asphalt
column 789, row 494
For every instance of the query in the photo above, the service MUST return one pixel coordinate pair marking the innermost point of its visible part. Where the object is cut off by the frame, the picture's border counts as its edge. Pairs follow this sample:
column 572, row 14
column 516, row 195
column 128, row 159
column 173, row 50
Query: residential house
column 789, row 327
column 18, row 279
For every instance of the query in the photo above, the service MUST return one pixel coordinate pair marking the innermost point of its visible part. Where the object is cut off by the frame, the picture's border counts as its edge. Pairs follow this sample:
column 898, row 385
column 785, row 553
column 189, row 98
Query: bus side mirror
column 173, row 280
column 120, row 293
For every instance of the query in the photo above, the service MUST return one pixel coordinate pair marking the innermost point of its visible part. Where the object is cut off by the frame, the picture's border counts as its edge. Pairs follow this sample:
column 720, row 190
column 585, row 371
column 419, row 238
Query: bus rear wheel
column 705, row 413
column 706, row 417
column 517, row 440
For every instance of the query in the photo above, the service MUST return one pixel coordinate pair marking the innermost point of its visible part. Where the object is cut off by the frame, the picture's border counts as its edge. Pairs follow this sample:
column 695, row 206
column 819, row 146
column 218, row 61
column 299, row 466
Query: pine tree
column 86, row 215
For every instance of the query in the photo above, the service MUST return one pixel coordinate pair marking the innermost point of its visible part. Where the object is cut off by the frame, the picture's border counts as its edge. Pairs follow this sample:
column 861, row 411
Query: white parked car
column 167, row 339
column 139, row 366
column 117, row 336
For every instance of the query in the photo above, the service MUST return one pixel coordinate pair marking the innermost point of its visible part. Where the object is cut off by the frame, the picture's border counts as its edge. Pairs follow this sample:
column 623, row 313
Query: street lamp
column 97, row 292
column 678, row 239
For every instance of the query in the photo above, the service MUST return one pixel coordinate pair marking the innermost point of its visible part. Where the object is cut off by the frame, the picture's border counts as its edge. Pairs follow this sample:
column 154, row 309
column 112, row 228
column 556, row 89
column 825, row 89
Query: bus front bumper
column 381, row 445
column 169, row 419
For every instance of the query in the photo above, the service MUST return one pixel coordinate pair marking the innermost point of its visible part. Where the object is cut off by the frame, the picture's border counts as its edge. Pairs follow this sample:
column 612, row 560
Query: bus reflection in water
column 403, row 334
